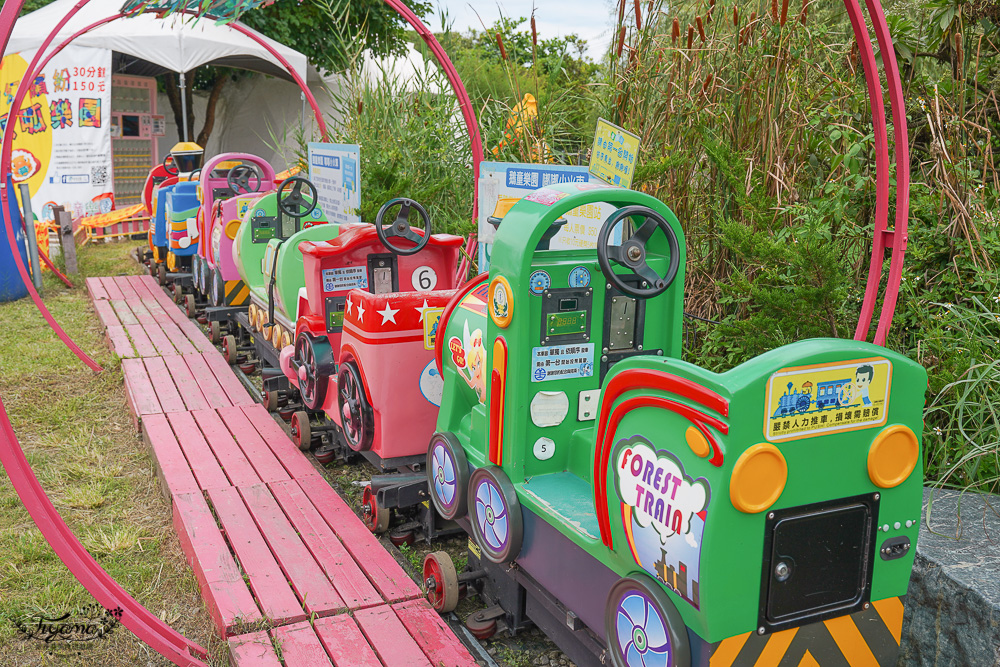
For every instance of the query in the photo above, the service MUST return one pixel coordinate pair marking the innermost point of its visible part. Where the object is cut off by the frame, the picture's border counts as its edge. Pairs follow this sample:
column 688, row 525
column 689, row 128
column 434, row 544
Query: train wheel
column 325, row 454
column 448, row 472
column 229, row 349
column 376, row 518
column 189, row 305
column 356, row 415
column 215, row 331
column 314, row 360
column 496, row 514
column 248, row 368
column 301, row 430
column 643, row 626
column 441, row 581
column 480, row 626
column 270, row 400
column 399, row 536
column 178, row 294
column 161, row 273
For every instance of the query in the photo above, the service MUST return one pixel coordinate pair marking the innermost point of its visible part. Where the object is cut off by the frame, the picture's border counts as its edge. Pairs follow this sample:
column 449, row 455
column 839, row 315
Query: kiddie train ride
column 363, row 359
column 645, row 511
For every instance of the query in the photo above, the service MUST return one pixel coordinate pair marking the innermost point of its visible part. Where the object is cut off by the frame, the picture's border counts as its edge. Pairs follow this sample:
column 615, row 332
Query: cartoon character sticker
column 469, row 357
column 663, row 514
column 807, row 401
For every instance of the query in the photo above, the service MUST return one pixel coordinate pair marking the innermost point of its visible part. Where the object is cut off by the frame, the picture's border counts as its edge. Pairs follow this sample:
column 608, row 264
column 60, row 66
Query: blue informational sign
column 513, row 180
column 333, row 169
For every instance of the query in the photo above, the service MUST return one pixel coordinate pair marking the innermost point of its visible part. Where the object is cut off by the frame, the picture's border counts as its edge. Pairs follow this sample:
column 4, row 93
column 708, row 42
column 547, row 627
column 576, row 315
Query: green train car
column 643, row 510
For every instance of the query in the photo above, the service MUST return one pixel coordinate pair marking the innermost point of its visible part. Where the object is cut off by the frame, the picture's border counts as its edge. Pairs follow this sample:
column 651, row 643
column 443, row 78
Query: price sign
column 614, row 154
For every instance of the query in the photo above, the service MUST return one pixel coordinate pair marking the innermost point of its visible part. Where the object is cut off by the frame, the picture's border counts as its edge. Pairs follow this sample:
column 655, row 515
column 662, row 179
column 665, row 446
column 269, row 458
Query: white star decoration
column 349, row 305
column 389, row 314
column 421, row 310
column 361, row 311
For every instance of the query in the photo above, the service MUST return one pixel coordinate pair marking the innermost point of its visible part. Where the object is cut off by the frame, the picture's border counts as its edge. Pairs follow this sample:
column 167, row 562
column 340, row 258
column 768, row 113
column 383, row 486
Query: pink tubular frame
column 147, row 627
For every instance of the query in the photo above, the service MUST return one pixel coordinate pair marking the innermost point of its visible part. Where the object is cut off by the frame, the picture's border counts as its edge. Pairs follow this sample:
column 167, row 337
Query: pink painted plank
column 234, row 389
column 205, row 467
column 384, row 631
column 300, row 645
column 348, row 578
column 382, row 569
column 230, row 456
column 143, row 346
column 166, row 392
column 305, row 575
column 122, row 283
column 177, row 337
column 187, row 386
column 290, row 456
column 141, row 396
column 267, row 581
column 170, row 310
column 118, row 342
column 259, row 454
column 171, row 466
column 106, row 313
column 123, row 312
column 96, row 289
column 210, row 386
column 140, row 311
column 219, row 579
column 252, row 650
column 344, row 642
column 112, row 289
column 432, row 634
column 159, row 339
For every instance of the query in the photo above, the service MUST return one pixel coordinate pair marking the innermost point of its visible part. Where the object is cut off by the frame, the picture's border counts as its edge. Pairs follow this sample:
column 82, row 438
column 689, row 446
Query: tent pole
column 184, row 106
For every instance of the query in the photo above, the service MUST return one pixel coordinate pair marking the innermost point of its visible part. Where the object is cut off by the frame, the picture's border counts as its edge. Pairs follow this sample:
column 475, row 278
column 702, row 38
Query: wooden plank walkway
column 289, row 573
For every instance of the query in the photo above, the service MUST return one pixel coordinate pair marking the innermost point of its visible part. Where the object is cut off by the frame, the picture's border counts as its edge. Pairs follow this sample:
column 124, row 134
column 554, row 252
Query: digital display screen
column 561, row 324
column 567, row 304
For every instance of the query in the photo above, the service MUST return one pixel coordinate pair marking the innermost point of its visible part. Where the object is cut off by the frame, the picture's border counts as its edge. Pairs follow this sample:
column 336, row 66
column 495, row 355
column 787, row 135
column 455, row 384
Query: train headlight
column 893, row 456
column 758, row 478
column 232, row 227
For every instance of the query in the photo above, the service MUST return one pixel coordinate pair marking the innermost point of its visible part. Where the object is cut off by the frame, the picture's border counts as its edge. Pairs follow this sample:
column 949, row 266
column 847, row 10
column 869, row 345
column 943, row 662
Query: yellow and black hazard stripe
column 236, row 293
column 868, row 638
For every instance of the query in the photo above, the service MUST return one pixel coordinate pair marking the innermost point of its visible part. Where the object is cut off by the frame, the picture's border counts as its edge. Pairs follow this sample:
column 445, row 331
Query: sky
column 590, row 19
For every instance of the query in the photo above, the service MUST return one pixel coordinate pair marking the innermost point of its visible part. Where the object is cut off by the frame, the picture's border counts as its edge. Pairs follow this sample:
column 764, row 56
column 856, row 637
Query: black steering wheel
column 401, row 226
column 238, row 178
column 291, row 204
column 169, row 163
column 193, row 177
column 632, row 252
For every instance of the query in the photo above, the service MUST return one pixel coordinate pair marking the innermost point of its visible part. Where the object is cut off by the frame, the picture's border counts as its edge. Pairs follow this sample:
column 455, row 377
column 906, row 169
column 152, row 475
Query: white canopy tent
column 176, row 43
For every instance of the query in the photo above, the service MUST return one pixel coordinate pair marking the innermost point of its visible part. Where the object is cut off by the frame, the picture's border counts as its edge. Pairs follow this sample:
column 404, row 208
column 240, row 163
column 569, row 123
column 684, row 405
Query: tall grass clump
column 756, row 130
column 412, row 140
column 962, row 436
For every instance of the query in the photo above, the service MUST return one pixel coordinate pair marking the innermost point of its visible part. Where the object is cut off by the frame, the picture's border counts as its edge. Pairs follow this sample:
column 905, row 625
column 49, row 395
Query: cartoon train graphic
column 830, row 394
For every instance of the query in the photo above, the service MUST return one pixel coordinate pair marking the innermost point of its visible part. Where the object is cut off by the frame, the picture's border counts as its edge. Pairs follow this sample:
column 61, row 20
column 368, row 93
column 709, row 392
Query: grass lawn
column 75, row 429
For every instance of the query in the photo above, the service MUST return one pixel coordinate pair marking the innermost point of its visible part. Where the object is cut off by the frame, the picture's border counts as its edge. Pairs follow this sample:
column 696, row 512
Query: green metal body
column 255, row 246
column 559, row 487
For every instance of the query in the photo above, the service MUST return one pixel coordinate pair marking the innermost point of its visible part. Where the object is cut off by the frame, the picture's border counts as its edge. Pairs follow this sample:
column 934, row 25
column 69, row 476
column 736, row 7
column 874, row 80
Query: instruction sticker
column 347, row 278
column 806, row 401
column 562, row 362
column 432, row 317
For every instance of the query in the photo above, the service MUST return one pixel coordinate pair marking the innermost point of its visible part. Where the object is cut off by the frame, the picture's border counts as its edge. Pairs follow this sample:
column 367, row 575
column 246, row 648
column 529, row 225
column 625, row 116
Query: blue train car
column 829, row 394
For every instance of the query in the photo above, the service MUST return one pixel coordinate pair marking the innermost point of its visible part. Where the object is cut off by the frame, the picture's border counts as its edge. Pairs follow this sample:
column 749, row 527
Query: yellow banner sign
column 614, row 154
column 807, row 401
